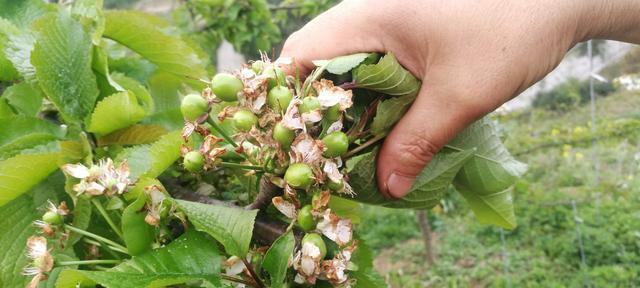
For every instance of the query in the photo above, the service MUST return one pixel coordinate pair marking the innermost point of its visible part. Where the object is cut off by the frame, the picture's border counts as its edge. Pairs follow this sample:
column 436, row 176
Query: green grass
column 543, row 251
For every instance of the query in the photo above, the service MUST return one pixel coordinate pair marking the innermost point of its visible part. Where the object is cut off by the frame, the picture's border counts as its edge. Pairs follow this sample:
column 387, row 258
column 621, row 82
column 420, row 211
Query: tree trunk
column 423, row 221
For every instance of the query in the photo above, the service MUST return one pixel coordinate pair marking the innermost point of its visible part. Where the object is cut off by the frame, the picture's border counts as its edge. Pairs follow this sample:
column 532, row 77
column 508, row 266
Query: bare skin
column 472, row 56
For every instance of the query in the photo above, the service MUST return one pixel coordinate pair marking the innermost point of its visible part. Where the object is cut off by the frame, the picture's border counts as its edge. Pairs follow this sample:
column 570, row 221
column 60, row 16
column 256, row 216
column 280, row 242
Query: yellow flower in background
column 579, row 130
column 437, row 209
column 566, row 154
column 566, row 147
column 579, row 156
column 630, row 177
column 555, row 132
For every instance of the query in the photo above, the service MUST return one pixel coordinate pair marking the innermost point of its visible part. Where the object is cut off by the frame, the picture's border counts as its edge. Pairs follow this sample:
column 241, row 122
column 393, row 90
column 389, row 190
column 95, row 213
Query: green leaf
column 142, row 33
column 22, row 172
column 387, row 77
column 484, row 180
column 233, row 227
column 389, row 112
column 115, row 112
column 344, row 64
column 137, row 234
column 18, row 50
column 89, row 13
column 190, row 257
column 7, row 71
column 390, row 78
column 16, row 220
column 366, row 276
column 62, row 59
column 346, row 208
column 164, row 90
column 427, row 190
column 22, row 132
column 133, row 135
column 23, row 12
column 82, row 210
column 143, row 96
column 23, row 97
column 276, row 260
column 151, row 160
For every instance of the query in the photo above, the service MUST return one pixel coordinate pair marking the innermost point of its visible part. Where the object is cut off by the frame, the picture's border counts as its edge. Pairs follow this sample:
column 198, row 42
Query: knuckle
column 416, row 151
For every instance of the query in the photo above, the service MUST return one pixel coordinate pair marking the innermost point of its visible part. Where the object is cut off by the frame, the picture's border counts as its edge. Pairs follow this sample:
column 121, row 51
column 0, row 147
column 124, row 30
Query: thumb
column 336, row 32
column 433, row 119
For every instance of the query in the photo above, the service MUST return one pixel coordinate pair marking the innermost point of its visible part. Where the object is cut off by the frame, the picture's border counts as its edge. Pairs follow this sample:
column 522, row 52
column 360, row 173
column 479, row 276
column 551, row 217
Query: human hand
column 472, row 56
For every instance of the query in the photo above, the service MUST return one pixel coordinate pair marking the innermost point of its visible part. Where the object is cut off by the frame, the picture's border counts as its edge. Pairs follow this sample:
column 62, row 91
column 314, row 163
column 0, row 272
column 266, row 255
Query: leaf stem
column 222, row 132
column 108, row 248
column 241, row 166
column 115, row 246
column 363, row 146
column 106, row 217
column 253, row 273
column 89, row 262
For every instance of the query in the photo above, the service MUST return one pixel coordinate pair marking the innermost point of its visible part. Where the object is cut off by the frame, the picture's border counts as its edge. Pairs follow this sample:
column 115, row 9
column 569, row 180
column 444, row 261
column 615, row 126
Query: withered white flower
column 305, row 149
column 331, row 170
column 312, row 116
column 329, row 95
column 101, row 178
column 41, row 260
column 233, row 266
column 285, row 207
column 335, row 270
column 335, row 126
column 307, row 263
column 292, row 118
column 335, row 228
column 153, row 209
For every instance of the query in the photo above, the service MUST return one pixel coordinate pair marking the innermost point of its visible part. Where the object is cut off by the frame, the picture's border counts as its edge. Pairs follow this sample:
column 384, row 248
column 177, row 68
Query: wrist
column 609, row 19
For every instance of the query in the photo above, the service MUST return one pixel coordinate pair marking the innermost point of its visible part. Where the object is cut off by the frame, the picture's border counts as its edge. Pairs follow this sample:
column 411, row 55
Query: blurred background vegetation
column 553, row 134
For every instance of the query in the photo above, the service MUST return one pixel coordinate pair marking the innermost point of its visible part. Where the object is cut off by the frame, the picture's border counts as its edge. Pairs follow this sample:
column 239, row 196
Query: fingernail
column 398, row 185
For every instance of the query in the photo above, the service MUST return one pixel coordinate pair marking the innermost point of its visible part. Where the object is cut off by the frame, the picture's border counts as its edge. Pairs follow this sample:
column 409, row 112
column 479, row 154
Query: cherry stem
column 241, row 166
column 115, row 246
column 89, row 262
column 106, row 217
column 221, row 131
column 363, row 146
column 253, row 273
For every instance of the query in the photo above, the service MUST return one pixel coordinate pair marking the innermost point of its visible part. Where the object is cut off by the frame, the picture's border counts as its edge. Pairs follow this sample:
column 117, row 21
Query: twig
column 238, row 280
column 253, row 273
column 363, row 146
column 266, row 191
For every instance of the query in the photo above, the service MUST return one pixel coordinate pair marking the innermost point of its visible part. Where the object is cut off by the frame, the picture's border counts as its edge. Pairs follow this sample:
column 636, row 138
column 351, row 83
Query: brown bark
column 423, row 222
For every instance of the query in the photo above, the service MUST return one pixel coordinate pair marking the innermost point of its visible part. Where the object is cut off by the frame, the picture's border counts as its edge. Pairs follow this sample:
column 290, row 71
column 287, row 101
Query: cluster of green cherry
column 292, row 132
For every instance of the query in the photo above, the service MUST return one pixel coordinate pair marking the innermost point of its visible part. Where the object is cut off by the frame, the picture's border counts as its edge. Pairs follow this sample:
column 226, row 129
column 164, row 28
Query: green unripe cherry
column 336, row 186
column 299, row 175
column 276, row 77
column 283, row 135
column 257, row 66
column 226, row 86
column 193, row 106
column 305, row 218
column 52, row 218
column 309, row 104
column 193, row 161
column 333, row 113
column 316, row 239
column 279, row 98
column 336, row 144
column 244, row 120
